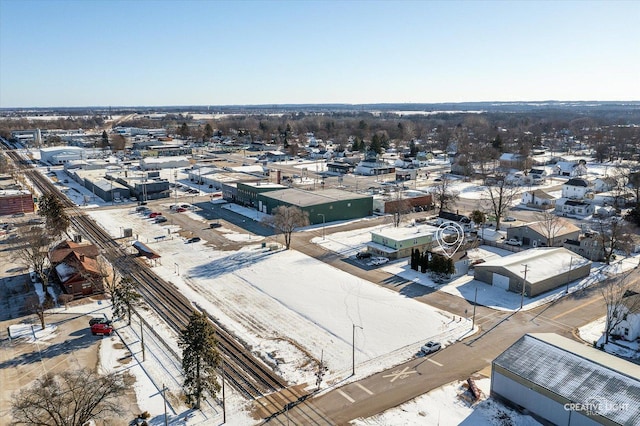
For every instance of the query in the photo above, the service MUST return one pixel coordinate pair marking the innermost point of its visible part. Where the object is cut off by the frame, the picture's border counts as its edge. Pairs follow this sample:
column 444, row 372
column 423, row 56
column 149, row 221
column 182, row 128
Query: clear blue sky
column 130, row 53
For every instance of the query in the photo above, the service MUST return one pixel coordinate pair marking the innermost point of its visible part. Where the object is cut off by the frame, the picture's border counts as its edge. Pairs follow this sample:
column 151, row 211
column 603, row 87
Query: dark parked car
column 363, row 255
column 161, row 219
column 193, row 240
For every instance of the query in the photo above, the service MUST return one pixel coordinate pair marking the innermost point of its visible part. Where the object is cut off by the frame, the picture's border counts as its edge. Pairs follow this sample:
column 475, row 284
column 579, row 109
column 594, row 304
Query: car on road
column 363, row 255
column 509, row 219
column 102, row 328
column 215, row 225
column 430, row 347
column 513, row 242
column 193, row 240
column 376, row 261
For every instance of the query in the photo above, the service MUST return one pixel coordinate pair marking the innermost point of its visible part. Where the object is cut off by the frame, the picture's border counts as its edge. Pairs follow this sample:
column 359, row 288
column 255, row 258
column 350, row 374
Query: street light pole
column 569, row 277
column 524, row 282
column 473, row 322
column 353, row 349
column 323, row 223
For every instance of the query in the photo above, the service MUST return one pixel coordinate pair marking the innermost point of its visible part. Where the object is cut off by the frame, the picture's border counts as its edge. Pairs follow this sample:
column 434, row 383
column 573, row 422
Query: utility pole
column 569, row 277
column 524, row 282
column 353, row 349
column 224, row 407
column 164, row 398
column 473, row 322
column 141, row 338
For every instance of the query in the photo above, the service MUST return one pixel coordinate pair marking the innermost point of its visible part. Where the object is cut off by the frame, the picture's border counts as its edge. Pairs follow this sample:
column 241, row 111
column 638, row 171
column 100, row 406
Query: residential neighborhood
column 410, row 217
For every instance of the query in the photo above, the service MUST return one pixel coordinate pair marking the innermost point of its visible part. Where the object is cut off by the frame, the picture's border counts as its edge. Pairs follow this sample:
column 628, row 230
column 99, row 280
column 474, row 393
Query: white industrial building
column 563, row 382
column 538, row 269
column 158, row 163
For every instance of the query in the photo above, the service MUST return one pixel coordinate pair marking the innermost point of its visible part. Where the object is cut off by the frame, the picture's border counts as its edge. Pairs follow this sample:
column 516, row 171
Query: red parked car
column 102, row 328
column 154, row 214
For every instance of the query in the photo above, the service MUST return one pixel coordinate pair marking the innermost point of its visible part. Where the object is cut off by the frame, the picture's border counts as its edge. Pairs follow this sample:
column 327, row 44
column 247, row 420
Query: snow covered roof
column 406, row 232
column 559, row 228
column 566, row 166
column 65, row 272
column 150, row 160
column 577, row 372
column 507, row 156
column 539, row 193
column 543, row 263
column 304, row 198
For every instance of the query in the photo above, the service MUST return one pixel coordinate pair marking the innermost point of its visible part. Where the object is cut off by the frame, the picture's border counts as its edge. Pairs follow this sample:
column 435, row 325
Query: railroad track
column 246, row 373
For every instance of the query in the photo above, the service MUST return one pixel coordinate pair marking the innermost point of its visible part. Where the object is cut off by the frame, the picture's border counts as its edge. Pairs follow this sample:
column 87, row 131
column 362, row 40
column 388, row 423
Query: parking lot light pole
column 353, row 349
column 177, row 269
column 323, row 223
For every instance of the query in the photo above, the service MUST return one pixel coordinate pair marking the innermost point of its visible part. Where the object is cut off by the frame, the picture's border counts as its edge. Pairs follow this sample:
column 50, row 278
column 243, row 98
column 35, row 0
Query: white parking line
column 435, row 362
column 363, row 388
column 347, row 397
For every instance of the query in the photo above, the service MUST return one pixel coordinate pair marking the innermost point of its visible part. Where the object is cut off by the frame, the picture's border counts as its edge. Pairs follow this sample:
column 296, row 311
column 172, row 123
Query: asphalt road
column 498, row 330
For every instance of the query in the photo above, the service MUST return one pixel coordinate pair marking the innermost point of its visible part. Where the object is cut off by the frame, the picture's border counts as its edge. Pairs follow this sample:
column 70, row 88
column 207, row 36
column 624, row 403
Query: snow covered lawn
column 446, row 406
column 293, row 307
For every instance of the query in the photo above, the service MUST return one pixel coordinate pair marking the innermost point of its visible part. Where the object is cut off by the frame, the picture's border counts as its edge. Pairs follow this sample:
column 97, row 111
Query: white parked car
column 430, row 347
column 513, row 242
column 375, row 261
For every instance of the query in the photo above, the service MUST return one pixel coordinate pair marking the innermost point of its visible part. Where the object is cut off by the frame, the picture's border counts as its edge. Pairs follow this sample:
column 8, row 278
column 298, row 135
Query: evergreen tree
column 376, row 144
column 200, row 359
column 208, row 132
column 124, row 298
column 183, row 131
column 451, row 267
column 53, row 211
column 104, row 140
column 424, row 262
column 633, row 215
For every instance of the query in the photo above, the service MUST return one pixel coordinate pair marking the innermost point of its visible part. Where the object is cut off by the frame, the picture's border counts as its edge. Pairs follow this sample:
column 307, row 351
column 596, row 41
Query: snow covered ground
column 252, row 291
column 447, row 406
column 349, row 243
column 594, row 332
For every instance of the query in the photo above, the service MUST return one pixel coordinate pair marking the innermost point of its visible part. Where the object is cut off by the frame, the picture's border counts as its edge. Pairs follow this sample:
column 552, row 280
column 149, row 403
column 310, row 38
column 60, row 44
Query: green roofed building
column 327, row 205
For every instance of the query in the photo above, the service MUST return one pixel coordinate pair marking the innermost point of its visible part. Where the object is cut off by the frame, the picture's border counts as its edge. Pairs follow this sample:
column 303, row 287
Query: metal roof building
column 563, row 382
column 547, row 268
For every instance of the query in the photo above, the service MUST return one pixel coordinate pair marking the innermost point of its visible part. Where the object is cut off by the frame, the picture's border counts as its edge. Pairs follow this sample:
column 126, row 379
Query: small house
column 538, row 199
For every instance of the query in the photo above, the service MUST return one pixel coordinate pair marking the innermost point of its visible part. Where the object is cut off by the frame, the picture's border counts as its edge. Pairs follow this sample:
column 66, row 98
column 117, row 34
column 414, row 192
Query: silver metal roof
column 577, row 372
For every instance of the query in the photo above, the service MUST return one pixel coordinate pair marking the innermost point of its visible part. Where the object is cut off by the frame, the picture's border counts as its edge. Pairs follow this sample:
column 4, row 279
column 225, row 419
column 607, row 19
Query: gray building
column 545, row 233
column 546, row 268
column 560, row 381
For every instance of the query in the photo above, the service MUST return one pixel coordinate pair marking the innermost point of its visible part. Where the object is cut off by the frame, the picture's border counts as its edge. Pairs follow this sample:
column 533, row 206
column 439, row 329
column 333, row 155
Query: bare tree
column 614, row 234
column 72, row 398
column 443, row 195
column 500, row 196
column 621, row 296
column 34, row 305
column 286, row 219
column 398, row 206
column 33, row 252
column 550, row 225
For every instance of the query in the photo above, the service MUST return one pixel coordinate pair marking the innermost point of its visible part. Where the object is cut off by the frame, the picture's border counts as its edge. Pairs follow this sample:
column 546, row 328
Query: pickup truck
column 513, row 242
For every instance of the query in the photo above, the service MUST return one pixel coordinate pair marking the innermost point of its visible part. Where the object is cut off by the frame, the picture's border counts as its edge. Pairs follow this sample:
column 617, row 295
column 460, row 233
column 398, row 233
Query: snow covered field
column 273, row 298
